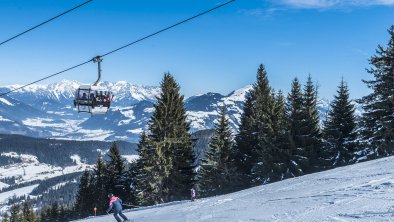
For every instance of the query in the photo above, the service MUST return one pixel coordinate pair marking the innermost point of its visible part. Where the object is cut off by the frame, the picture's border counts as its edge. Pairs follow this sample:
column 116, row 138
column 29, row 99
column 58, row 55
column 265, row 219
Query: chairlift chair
column 93, row 99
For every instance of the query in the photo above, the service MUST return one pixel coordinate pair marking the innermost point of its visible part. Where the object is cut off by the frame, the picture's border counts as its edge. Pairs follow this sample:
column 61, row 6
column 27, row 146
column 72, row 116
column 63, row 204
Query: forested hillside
column 57, row 152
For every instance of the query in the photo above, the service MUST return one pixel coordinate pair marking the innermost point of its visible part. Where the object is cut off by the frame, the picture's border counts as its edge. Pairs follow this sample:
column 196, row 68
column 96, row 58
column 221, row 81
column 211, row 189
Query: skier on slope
column 115, row 203
column 193, row 194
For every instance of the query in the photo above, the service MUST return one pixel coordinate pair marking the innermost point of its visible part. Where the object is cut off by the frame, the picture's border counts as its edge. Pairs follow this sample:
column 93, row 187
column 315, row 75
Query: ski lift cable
column 115, row 50
column 43, row 23
column 167, row 28
column 47, row 77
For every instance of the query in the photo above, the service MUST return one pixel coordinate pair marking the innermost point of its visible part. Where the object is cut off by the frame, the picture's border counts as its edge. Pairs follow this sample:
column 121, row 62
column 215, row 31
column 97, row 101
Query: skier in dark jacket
column 115, row 203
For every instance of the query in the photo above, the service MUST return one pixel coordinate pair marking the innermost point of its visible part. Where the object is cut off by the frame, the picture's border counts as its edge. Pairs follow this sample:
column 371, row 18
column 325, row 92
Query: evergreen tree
column 297, row 154
column 261, row 144
column 274, row 157
column 253, row 142
column 378, row 119
column 83, row 205
column 279, row 118
column 169, row 136
column 311, row 137
column 28, row 213
column 245, row 141
column 145, row 171
column 6, row 218
column 339, row 129
column 99, row 185
column 63, row 214
column 116, row 170
column 217, row 170
column 264, row 169
column 15, row 213
column 281, row 155
column 45, row 214
column 131, row 189
column 54, row 212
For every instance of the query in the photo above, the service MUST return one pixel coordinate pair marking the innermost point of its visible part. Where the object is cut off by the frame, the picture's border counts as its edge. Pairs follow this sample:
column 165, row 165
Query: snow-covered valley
column 361, row 192
column 45, row 170
column 31, row 169
column 29, row 174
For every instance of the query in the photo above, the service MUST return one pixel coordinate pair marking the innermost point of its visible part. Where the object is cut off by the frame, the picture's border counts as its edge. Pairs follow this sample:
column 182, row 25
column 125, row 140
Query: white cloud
column 321, row 4
column 260, row 12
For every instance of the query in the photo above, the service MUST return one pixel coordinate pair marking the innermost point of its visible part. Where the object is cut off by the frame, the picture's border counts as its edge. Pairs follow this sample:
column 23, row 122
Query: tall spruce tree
column 99, row 184
column 298, row 157
column 281, row 157
column 274, row 154
column 253, row 142
column 83, row 206
column 217, row 170
column 115, row 172
column 311, row 137
column 264, row 169
column 245, row 141
column 131, row 175
column 145, row 171
column 339, row 129
column 261, row 142
column 169, row 136
column 378, row 119
column 279, row 118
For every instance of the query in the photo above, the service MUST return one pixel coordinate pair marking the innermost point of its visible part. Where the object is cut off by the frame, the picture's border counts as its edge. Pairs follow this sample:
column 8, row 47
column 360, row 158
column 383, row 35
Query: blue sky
column 219, row 52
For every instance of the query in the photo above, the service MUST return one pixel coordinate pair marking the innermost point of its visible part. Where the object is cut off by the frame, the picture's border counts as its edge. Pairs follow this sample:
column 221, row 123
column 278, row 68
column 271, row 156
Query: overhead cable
column 122, row 47
column 167, row 28
column 49, row 20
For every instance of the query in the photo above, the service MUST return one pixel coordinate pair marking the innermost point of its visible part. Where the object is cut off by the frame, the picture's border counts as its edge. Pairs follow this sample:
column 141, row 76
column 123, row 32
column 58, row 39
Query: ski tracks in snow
column 358, row 193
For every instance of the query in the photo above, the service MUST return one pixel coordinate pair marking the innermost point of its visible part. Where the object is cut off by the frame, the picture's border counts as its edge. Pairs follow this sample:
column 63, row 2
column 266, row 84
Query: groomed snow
column 17, row 193
column 361, row 192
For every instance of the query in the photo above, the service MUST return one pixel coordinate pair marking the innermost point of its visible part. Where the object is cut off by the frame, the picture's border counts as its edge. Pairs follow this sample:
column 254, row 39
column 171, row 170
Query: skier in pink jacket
column 115, row 203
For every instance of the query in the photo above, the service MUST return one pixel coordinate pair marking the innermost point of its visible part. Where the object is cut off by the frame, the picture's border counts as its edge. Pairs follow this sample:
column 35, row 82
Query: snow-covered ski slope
column 361, row 192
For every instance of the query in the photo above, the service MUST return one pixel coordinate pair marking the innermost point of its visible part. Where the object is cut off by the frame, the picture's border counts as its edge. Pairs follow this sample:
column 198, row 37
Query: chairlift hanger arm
column 98, row 59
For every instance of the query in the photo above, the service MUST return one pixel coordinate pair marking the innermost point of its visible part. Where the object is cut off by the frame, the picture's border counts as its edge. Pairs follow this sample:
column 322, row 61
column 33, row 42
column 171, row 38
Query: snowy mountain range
column 47, row 111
